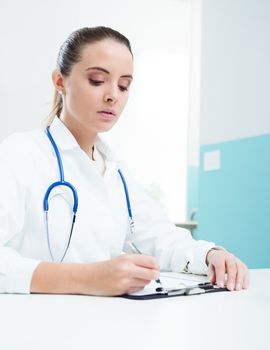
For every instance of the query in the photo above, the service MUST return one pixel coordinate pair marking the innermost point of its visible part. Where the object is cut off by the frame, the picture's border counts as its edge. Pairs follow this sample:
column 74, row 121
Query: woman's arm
column 124, row 274
column 176, row 250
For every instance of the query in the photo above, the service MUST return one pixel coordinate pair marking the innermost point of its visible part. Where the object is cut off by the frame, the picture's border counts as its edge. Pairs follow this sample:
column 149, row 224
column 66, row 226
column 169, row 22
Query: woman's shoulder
column 21, row 145
column 19, row 140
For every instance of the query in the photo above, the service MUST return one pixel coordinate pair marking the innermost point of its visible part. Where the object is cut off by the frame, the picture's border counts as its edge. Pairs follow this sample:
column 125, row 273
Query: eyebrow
column 107, row 72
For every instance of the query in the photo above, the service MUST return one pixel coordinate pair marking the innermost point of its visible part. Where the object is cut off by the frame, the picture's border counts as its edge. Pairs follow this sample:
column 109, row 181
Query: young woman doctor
column 92, row 81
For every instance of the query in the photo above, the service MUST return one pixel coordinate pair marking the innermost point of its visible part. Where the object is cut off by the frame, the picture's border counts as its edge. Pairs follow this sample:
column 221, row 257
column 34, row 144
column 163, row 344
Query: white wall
column 152, row 132
column 235, row 90
column 195, row 85
column 154, row 123
column 31, row 33
column 147, row 23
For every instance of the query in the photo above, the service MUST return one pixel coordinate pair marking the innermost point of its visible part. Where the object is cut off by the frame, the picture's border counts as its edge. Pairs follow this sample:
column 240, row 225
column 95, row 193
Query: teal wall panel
column 234, row 202
column 192, row 192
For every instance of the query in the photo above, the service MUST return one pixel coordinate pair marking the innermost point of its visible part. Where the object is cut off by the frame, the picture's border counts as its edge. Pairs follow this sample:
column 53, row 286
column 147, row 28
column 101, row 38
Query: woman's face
column 96, row 90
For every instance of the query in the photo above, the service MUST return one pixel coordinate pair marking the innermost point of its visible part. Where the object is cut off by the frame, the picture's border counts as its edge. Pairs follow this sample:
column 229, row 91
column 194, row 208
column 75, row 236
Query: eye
column 123, row 88
column 95, row 82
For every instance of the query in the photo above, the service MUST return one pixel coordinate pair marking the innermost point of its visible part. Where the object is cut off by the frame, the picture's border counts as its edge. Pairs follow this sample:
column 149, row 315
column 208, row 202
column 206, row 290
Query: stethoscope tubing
column 63, row 182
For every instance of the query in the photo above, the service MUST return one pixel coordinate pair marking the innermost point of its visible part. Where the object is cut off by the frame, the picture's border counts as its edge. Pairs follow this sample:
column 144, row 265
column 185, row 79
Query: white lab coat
column 29, row 166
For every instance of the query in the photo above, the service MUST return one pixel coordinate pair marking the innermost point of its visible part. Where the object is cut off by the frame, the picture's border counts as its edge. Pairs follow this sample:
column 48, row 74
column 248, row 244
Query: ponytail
column 57, row 107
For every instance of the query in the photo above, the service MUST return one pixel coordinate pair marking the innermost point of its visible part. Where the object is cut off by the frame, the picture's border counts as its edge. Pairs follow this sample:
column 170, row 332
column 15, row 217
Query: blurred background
column 196, row 130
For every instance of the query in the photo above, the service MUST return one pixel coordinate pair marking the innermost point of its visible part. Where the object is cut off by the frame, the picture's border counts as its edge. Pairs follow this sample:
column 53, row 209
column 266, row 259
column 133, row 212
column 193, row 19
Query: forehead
column 108, row 54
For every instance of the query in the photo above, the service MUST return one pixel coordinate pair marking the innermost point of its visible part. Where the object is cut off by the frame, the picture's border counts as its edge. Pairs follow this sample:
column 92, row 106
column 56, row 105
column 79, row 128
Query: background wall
column 234, row 181
column 31, row 33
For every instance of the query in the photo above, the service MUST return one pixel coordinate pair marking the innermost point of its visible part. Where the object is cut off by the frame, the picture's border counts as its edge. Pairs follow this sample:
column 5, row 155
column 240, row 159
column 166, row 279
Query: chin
column 107, row 126
column 104, row 130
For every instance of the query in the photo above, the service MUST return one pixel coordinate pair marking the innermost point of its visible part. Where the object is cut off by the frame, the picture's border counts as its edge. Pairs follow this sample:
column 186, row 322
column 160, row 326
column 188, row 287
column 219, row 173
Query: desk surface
column 229, row 320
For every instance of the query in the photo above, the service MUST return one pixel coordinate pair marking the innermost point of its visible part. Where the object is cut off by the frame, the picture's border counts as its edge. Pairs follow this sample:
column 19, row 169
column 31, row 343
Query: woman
column 92, row 81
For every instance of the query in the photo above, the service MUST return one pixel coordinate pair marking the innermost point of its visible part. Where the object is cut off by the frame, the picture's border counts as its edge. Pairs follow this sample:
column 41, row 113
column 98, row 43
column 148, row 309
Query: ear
column 58, row 81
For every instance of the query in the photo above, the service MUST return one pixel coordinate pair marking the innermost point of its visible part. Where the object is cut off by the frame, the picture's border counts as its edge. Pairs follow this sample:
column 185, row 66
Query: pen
column 136, row 250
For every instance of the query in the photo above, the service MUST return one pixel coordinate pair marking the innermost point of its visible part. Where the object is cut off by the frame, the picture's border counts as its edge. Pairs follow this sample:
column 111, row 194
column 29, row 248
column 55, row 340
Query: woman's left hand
column 220, row 263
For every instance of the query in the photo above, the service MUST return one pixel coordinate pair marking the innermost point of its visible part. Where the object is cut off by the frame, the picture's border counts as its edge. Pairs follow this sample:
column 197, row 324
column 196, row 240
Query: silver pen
column 136, row 250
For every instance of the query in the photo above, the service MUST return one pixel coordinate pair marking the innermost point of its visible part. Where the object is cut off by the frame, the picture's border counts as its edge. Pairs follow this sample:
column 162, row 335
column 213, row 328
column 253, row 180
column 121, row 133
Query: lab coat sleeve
column 156, row 235
column 15, row 270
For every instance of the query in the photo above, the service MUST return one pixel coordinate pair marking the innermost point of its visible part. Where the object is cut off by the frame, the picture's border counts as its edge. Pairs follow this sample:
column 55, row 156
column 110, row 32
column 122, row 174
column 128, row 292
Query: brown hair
column 70, row 53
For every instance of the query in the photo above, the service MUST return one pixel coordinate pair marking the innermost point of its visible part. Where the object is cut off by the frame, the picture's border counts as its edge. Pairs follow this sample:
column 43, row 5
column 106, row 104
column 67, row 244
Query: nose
column 111, row 95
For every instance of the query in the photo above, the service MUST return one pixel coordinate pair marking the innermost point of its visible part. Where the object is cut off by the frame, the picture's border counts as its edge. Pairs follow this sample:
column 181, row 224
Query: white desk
column 229, row 320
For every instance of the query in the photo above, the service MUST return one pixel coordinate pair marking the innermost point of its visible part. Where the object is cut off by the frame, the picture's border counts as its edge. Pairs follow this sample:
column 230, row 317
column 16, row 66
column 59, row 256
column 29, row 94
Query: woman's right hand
column 123, row 274
column 120, row 275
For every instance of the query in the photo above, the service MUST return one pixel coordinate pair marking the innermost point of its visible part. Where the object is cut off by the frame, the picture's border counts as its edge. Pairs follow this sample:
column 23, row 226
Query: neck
column 86, row 138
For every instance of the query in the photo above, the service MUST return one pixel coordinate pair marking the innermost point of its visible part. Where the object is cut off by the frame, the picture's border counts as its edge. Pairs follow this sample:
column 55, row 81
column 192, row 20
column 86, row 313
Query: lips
column 107, row 115
column 107, row 111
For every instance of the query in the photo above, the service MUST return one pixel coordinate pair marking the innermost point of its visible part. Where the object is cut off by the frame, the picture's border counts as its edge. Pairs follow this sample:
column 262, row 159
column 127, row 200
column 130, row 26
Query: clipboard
column 200, row 288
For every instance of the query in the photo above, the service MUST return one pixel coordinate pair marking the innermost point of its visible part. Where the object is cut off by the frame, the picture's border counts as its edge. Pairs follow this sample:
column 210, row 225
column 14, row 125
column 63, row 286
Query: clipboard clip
column 199, row 288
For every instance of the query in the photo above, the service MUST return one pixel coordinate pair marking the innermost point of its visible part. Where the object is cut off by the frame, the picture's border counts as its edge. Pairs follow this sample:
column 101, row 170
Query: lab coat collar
column 66, row 141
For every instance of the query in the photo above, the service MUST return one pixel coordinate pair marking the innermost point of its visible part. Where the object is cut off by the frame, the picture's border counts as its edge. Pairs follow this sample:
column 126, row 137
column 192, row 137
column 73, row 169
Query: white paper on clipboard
column 171, row 280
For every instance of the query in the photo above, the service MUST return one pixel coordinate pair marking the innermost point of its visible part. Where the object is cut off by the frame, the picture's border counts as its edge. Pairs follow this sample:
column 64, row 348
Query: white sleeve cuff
column 192, row 259
column 15, row 272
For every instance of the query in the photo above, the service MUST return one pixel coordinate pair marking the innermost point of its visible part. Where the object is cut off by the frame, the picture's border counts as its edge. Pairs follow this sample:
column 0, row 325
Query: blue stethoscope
column 63, row 182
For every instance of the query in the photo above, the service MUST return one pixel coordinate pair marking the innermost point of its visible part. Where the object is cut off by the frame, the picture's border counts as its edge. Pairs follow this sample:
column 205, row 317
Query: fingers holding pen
column 137, row 285
column 131, row 272
column 144, row 267
column 144, row 261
